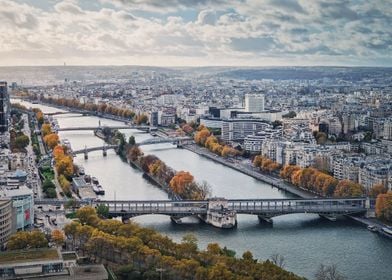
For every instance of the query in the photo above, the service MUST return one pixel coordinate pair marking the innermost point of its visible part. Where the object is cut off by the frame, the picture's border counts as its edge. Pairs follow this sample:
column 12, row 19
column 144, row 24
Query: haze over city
column 196, row 33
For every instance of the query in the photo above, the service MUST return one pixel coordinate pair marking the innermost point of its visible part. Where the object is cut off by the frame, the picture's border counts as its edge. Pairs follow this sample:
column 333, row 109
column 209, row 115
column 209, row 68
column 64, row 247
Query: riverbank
column 275, row 182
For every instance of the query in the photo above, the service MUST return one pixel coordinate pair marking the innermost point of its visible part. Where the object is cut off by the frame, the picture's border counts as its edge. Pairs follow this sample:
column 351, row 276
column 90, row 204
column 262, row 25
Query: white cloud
column 249, row 33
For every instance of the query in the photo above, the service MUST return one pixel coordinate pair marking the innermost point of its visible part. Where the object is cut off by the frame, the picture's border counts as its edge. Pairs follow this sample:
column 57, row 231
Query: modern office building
column 6, row 225
column 238, row 129
column 4, row 107
column 22, row 204
column 254, row 102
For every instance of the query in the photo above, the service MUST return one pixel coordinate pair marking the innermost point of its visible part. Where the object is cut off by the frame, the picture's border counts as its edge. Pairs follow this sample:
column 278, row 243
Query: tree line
column 134, row 252
column 205, row 138
column 63, row 160
column 181, row 183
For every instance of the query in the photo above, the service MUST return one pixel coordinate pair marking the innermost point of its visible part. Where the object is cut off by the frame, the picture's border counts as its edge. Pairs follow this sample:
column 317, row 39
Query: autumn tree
column 377, row 189
column 180, row 181
column 64, row 166
column 46, row 129
column 58, row 237
column 25, row 240
column 347, row 188
column 40, row 117
column 384, row 206
column 51, row 140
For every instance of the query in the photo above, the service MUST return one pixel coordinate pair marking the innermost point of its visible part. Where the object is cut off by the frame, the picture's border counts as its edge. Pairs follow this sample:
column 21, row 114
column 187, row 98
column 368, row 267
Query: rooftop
column 33, row 255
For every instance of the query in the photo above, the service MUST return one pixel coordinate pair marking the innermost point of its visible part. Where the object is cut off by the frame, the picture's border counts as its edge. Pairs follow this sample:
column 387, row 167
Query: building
column 254, row 102
column 154, row 119
column 4, row 107
column 237, row 129
column 387, row 135
column 22, row 204
column 376, row 172
column 253, row 143
column 46, row 263
column 6, row 225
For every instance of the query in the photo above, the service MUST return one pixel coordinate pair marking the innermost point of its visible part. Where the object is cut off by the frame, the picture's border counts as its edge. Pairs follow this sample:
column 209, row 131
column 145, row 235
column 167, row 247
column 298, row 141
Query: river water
column 305, row 241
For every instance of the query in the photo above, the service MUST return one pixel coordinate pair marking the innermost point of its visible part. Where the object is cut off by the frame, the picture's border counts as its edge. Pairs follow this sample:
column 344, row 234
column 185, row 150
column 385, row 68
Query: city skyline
column 195, row 33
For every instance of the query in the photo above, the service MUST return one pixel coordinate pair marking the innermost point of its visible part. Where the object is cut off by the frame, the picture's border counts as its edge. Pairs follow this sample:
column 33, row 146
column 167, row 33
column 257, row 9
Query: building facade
column 6, row 218
column 254, row 102
column 4, row 107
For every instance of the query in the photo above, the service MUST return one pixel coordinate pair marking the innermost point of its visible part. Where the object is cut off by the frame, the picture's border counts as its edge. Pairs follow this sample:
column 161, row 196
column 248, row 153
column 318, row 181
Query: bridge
column 179, row 141
column 93, row 128
column 220, row 212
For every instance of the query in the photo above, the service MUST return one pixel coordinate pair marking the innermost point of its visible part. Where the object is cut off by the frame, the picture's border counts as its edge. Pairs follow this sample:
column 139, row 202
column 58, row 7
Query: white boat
column 95, row 180
column 386, row 231
column 372, row 228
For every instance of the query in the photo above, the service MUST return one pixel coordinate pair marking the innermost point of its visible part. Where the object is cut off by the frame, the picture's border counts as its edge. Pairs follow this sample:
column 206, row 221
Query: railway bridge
column 222, row 213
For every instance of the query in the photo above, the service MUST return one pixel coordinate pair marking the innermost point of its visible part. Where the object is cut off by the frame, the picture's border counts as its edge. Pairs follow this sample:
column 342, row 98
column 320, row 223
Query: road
column 246, row 167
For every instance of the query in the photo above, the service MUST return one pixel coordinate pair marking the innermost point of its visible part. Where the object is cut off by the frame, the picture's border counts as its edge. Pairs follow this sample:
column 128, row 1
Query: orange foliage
column 384, row 206
column 51, row 140
column 180, row 181
column 347, row 188
column 46, row 129
column 64, row 166
column 58, row 152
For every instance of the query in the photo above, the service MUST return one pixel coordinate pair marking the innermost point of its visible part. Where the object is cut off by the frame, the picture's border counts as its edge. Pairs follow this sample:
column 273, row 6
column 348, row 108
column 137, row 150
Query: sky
column 196, row 32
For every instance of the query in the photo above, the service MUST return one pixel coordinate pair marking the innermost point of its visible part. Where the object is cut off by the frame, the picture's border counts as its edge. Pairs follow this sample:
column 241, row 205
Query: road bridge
column 218, row 211
column 179, row 141
column 93, row 128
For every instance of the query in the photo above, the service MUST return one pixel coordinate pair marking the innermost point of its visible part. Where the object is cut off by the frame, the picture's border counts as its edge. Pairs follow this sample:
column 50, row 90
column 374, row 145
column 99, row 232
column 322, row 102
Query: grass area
column 69, row 256
column 28, row 255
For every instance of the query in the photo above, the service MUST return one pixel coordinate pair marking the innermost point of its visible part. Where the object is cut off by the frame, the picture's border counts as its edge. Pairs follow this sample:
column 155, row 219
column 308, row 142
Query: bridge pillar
column 263, row 219
column 85, row 155
column 104, row 152
column 176, row 220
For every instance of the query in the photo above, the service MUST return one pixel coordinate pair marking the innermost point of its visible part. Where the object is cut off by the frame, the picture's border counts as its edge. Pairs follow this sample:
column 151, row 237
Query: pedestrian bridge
column 215, row 211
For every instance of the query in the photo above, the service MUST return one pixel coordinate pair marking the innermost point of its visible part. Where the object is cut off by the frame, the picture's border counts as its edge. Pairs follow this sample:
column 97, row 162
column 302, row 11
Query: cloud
column 207, row 17
column 246, row 32
column 68, row 7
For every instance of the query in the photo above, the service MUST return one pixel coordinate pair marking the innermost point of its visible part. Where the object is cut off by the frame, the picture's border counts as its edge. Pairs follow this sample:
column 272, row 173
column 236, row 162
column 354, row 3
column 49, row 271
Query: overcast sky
column 196, row 32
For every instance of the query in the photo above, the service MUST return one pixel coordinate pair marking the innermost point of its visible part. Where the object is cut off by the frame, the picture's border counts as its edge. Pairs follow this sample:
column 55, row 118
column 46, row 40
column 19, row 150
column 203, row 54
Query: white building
column 254, row 102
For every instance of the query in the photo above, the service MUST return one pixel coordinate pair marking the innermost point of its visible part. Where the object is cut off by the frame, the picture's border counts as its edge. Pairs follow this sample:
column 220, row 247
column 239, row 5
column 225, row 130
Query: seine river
column 305, row 241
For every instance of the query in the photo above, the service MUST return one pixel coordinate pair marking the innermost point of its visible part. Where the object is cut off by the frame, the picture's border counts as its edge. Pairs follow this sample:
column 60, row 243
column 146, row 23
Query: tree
column 321, row 138
column 347, row 188
column 328, row 272
column 131, row 140
column 134, row 153
column 86, row 215
column 47, row 184
column 180, row 181
column 64, row 166
column 278, row 260
column 384, row 206
column 51, row 193
column 377, row 189
column 22, row 141
column 40, row 117
column 25, row 240
column 51, row 140
column 58, row 237
column 102, row 211
column 46, row 129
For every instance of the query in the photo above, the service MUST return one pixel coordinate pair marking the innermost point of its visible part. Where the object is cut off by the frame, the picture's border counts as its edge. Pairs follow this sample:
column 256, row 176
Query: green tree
column 131, row 140
column 22, row 141
column 103, row 211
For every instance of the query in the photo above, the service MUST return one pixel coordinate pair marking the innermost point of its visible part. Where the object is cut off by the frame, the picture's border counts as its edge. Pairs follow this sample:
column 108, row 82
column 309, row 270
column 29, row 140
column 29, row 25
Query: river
column 305, row 241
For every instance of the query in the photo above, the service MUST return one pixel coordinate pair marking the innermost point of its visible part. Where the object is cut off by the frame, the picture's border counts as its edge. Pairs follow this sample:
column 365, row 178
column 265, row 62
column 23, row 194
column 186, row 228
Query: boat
column 94, row 180
column 87, row 178
column 386, row 232
column 100, row 190
column 95, row 189
column 372, row 228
